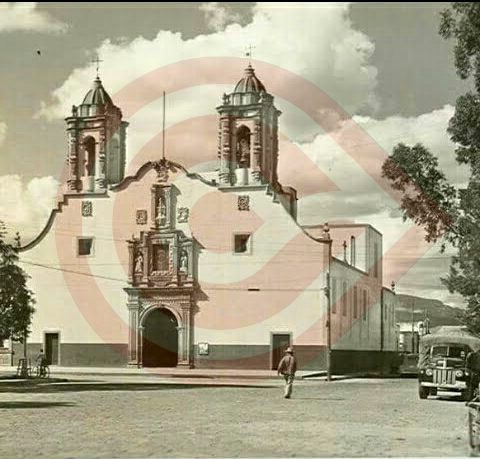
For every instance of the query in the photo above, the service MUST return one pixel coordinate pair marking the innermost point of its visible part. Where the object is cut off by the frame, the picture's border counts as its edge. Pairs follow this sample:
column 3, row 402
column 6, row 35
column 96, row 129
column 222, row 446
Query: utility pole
column 328, row 294
column 329, row 326
column 413, row 326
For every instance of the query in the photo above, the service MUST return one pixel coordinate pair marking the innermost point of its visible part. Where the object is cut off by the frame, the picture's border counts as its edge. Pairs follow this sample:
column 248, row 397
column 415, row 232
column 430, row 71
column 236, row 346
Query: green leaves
column 16, row 300
column 445, row 212
column 462, row 22
column 427, row 198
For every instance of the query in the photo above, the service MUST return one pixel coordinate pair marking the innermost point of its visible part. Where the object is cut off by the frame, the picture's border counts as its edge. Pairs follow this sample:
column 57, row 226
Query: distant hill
column 438, row 312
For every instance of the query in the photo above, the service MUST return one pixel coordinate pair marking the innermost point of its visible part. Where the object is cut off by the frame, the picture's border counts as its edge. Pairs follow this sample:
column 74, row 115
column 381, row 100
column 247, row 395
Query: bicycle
column 42, row 371
column 24, row 368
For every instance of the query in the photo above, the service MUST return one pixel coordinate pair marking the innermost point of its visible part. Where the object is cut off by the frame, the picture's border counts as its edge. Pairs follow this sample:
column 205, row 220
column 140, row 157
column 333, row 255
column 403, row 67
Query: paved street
column 147, row 417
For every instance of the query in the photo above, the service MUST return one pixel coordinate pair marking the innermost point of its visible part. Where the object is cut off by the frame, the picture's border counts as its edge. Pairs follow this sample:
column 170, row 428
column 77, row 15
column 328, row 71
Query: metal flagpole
column 163, row 128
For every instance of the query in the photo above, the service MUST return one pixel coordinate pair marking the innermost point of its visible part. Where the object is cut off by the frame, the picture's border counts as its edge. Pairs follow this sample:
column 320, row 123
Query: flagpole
column 163, row 128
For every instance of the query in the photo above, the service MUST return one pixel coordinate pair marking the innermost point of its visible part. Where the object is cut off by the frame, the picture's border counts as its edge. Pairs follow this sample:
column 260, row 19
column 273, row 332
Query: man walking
column 287, row 367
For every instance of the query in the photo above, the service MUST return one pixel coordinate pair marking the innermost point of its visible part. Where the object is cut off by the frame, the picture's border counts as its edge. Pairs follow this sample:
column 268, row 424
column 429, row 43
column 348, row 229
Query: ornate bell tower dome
column 248, row 134
column 96, row 142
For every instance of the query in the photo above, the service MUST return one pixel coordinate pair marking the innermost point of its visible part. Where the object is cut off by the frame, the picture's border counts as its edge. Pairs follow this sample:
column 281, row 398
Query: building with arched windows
column 167, row 267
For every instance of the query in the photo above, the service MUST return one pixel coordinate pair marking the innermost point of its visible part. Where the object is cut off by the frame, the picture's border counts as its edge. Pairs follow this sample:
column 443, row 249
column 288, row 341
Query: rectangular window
column 85, row 246
column 242, row 243
column 355, row 302
column 364, row 305
column 376, row 261
column 333, row 297
column 344, row 298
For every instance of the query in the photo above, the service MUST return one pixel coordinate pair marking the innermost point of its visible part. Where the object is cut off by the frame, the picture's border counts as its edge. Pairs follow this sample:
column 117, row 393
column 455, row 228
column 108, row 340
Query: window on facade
column 242, row 243
column 85, row 246
column 364, row 305
column 355, row 302
column 352, row 251
column 344, row 298
column 333, row 296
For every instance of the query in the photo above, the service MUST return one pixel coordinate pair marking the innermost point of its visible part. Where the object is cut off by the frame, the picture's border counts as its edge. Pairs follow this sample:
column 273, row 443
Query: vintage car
column 443, row 365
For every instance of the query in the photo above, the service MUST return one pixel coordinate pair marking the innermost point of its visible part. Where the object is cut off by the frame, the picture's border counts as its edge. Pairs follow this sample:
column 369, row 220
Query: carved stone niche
column 162, row 206
column 161, row 260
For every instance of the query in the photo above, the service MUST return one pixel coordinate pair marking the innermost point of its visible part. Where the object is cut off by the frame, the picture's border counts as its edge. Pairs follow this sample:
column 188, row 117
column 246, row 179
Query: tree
column 446, row 213
column 16, row 300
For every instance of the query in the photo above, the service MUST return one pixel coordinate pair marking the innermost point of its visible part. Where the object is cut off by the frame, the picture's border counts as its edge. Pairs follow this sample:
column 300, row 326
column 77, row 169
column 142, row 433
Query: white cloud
column 26, row 207
column 361, row 199
column 24, row 16
column 359, row 194
column 316, row 42
column 217, row 16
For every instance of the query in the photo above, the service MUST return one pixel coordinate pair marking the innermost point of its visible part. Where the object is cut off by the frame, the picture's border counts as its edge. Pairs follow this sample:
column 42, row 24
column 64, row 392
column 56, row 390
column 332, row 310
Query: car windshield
column 458, row 352
column 439, row 351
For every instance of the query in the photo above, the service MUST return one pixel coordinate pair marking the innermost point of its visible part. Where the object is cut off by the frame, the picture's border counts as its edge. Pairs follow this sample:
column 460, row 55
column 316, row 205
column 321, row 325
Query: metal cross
column 248, row 53
column 97, row 62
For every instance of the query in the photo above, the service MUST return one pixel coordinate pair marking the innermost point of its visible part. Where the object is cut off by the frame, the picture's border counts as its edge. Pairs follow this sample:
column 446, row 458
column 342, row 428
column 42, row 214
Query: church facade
column 166, row 267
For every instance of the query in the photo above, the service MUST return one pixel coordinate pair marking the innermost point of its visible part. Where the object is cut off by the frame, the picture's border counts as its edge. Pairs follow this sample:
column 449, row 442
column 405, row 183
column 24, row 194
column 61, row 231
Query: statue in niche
column 138, row 263
column 244, row 152
column 184, row 261
column 161, row 211
column 243, row 147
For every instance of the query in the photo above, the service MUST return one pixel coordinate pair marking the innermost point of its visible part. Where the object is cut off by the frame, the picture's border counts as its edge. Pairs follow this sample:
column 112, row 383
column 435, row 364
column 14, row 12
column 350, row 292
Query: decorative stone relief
column 87, row 208
column 183, row 214
column 162, row 167
column 142, row 217
column 244, row 203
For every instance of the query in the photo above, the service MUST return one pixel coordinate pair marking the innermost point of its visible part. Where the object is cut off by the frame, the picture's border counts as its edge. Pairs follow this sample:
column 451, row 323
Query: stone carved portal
column 160, row 327
column 161, row 291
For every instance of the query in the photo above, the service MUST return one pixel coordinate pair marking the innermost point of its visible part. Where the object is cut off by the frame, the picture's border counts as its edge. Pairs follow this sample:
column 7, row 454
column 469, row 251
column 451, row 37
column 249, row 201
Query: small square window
column 242, row 243
column 85, row 246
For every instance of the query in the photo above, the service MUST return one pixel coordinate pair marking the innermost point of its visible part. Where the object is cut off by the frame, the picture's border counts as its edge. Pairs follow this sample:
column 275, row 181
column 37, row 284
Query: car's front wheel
column 423, row 392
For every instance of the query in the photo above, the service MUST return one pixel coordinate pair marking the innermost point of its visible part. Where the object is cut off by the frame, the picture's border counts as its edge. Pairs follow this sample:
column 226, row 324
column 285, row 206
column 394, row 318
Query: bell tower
column 96, row 143
column 248, row 134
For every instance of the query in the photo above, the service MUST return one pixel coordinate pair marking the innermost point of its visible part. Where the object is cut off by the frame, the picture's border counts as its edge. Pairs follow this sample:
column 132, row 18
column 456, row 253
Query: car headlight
column 459, row 373
column 429, row 372
column 467, row 373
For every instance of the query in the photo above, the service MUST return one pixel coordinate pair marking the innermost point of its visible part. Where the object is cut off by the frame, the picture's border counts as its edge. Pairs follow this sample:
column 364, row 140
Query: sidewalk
column 200, row 373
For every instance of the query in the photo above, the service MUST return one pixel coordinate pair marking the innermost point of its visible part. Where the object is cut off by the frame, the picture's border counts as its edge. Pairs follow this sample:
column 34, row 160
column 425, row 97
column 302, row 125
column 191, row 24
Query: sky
column 384, row 66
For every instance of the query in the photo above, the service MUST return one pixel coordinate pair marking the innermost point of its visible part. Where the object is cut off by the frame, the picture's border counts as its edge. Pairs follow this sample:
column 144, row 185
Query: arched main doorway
column 160, row 339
